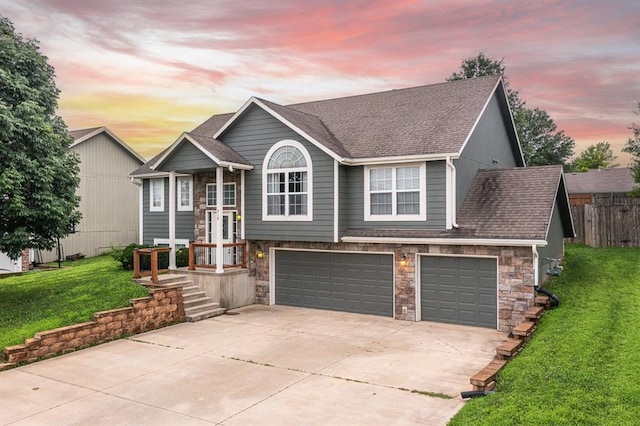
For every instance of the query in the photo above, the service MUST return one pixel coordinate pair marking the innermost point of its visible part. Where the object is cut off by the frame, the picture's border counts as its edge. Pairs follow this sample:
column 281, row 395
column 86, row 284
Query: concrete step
column 201, row 308
column 200, row 301
column 210, row 313
column 193, row 295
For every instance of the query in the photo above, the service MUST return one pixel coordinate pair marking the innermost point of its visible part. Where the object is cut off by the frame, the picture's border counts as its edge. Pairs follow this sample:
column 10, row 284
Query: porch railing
column 144, row 267
column 203, row 255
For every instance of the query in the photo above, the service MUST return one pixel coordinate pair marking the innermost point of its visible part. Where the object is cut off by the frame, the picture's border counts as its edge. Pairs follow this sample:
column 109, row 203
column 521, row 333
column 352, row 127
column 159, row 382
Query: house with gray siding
column 413, row 203
column 108, row 201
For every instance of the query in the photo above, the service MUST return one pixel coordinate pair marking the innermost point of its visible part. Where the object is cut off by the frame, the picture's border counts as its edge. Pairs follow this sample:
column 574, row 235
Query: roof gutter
column 398, row 159
column 447, row 241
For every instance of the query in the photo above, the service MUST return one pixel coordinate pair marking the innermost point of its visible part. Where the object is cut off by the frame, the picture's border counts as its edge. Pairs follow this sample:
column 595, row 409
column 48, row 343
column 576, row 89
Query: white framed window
column 184, row 188
column 395, row 193
column 287, row 183
column 156, row 195
column 229, row 195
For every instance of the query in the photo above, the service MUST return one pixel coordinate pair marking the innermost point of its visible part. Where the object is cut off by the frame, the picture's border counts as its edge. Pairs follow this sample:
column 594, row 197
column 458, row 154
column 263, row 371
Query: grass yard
column 583, row 365
column 39, row 301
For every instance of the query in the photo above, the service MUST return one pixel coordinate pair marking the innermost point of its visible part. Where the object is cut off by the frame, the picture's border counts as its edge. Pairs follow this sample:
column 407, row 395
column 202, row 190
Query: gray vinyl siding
column 490, row 140
column 108, row 199
column 252, row 136
column 188, row 159
column 344, row 200
column 555, row 244
column 436, row 200
column 156, row 224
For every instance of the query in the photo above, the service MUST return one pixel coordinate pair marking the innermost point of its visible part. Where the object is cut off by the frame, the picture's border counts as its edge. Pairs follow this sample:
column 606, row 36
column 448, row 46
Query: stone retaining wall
column 163, row 307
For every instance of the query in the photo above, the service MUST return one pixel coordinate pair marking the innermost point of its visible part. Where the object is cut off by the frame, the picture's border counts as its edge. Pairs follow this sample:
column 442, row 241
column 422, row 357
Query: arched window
column 287, row 182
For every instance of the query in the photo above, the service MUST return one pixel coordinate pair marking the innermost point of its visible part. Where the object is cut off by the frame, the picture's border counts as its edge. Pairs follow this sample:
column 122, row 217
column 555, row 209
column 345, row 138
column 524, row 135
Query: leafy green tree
column 541, row 142
column 633, row 147
column 598, row 156
column 38, row 172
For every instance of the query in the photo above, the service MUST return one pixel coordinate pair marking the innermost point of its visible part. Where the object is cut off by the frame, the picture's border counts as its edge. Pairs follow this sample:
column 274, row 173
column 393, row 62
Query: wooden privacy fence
column 613, row 220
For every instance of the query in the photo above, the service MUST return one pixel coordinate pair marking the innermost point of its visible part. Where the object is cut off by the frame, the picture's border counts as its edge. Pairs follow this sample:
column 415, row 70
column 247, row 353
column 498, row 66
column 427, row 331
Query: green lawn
column 583, row 365
column 38, row 300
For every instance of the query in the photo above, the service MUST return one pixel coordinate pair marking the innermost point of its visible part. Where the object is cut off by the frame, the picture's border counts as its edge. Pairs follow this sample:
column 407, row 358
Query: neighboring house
column 8, row 265
column 604, row 214
column 108, row 200
column 583, row 186
column 413, row 203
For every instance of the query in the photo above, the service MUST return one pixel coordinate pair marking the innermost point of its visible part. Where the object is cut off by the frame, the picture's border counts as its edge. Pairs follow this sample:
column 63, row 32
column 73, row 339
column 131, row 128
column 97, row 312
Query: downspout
column 451, row 206
column 555, row 301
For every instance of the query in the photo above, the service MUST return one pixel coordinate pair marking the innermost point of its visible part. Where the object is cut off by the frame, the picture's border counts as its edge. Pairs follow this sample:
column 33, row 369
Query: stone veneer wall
column 515, row 273
column 163, row 307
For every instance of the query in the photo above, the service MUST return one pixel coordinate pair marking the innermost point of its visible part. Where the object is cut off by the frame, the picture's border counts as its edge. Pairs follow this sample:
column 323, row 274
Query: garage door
column 459, row 290
column 349, row 282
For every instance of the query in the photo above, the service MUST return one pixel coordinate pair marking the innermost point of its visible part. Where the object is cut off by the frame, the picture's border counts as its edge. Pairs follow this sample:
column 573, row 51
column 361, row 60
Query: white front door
column 229, row 235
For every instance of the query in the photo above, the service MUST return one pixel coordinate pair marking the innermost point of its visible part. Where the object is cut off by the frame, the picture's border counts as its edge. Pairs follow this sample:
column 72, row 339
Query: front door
column 229, row 235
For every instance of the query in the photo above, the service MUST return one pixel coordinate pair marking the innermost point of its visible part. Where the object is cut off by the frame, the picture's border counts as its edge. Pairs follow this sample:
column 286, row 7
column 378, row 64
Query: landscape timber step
column 534, row 313
column 509, row 349
column 544, row 301
column 524, row 330
column 485, row 379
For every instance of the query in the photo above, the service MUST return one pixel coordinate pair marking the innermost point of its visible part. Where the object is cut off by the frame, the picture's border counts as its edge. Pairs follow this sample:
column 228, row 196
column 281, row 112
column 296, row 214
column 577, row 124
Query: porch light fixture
column 238, row 216
column 260, row 254
column 403, row 261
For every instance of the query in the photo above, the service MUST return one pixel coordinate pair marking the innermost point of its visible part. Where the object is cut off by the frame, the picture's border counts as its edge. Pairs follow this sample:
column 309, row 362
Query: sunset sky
column 150, row 70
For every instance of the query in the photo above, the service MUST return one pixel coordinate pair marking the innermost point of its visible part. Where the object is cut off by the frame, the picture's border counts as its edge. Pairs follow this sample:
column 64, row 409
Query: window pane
column 381, row 203
column 297, row 182
column 211, row 194
column 408, row 178
column 275, row 204
column 287, row 157
column 298, row 204
column 408, row 203
column 229, row 194
column 380, row 179
column 275, row 183
column 185, row 192
column 156, row 189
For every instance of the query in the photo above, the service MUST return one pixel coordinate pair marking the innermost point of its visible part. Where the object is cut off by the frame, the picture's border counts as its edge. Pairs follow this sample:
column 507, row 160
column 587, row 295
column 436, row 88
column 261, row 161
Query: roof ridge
column 394, row 90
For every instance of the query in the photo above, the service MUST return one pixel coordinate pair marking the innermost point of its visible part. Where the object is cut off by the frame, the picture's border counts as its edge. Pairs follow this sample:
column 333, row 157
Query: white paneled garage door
column 349, row 282
column 459, row 290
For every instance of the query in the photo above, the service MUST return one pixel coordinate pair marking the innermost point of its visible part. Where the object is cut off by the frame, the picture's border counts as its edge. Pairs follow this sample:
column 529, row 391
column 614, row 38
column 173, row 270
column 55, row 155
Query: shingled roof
column 432, row 119
column 618, row 179
column 514, row 203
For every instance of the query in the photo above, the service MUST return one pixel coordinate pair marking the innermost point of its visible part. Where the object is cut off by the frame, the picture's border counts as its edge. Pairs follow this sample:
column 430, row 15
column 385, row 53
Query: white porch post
column 242, row 209
column 219, row 203
column 172, row 219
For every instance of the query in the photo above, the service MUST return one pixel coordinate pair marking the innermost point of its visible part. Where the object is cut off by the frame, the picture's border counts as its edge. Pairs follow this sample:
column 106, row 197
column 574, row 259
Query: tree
column 541, row 143
column 598, row 156
column 38, row 172
column 633, row 147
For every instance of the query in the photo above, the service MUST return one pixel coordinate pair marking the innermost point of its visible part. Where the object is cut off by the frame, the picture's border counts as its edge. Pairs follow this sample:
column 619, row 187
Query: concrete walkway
column 263, row 365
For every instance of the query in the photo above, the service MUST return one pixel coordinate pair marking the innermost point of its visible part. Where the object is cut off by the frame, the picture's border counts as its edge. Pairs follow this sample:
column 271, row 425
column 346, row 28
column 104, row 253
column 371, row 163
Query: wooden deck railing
column 138, row 264
column 203, row 255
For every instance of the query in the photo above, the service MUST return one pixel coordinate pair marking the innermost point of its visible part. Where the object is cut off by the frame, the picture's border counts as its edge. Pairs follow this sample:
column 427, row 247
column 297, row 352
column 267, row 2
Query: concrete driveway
column 263, row 365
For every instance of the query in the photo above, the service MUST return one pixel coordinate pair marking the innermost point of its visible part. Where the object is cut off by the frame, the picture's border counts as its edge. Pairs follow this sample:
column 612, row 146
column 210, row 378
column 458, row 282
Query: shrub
column 124, row 256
